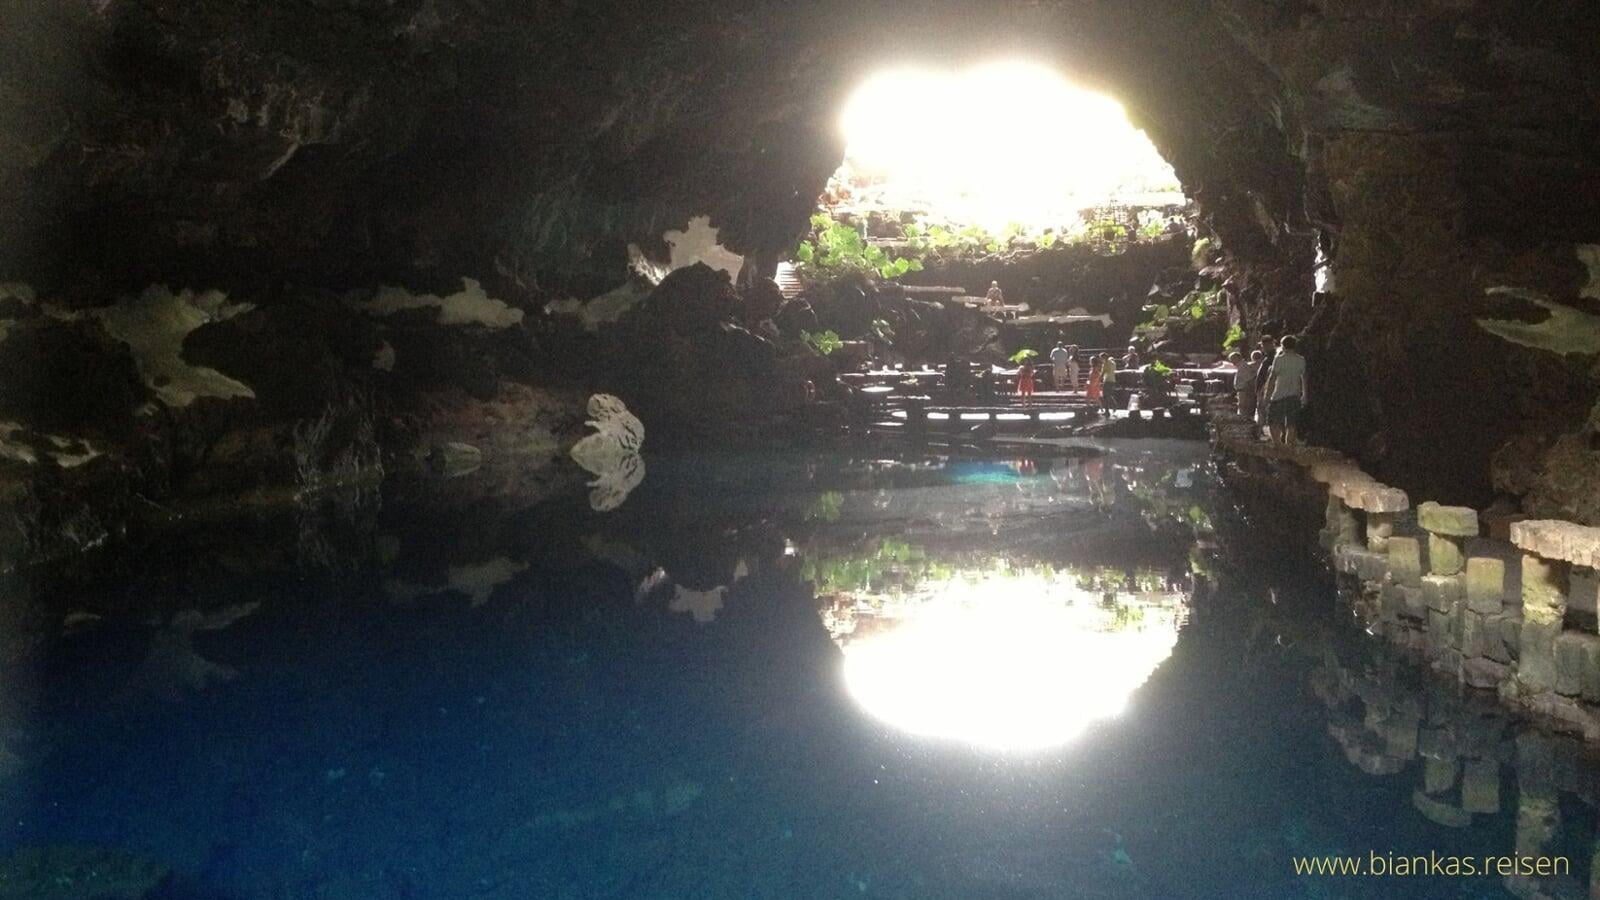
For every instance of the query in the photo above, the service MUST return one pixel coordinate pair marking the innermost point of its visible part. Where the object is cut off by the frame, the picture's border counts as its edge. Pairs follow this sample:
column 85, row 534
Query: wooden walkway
column 925, row 414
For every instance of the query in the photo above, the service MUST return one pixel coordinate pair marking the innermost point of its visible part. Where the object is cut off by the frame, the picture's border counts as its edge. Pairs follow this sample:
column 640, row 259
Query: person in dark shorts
column 1285, row 391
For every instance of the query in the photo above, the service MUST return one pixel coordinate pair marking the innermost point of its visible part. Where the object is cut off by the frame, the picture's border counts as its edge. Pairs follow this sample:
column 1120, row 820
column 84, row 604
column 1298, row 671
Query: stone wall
column 1513, row 612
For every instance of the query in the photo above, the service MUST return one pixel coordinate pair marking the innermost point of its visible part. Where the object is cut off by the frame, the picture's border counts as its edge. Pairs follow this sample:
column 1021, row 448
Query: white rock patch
column 601, row 310
column 154, row 324
column 702, row 605
column 15, row 450
column 696, row 243
column 13, row 290
column 1589, row 255
column 1567, row 330
column 469, row 306
column 71, row 452
column 611, row 453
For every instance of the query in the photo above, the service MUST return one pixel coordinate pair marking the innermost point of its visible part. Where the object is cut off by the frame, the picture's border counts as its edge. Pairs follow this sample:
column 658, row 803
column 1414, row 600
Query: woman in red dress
column 1025, row 382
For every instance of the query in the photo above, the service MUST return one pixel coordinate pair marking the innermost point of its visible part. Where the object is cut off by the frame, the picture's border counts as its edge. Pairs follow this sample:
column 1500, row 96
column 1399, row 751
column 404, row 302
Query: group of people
column 1068, row 371
column 1271, row 386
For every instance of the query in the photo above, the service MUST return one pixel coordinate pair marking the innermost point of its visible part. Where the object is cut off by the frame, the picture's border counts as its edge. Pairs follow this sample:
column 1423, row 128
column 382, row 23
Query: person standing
column 1108, row 378
column 1096, row 388
column 1268, row 351
column 1285, row 391
column 1058, row 366
column 1244, row 382
column 1025, row 382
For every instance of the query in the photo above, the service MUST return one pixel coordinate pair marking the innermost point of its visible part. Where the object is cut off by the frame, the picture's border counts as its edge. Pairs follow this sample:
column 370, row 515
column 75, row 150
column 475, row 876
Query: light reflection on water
column 975, row 627
column 1003, row 660
column 800, row 677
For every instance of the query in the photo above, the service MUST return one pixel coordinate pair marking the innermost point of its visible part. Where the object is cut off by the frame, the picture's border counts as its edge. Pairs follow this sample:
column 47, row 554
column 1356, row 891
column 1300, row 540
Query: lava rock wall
column 1436, row 157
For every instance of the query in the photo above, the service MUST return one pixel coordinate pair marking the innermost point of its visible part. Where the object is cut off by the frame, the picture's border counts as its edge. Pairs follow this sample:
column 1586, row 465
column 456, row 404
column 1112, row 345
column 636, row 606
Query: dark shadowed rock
column 68, row 378
column 696, row 299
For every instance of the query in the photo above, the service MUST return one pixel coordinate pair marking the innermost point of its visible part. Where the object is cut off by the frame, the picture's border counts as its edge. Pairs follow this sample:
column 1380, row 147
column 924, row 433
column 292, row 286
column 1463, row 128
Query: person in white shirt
column 1060, row 360
column 1244, row 381
column 1285, row 391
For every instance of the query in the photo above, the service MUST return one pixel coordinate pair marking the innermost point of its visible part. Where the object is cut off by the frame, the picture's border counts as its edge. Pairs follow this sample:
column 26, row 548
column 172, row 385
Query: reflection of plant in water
column 893, row 569
column 827, row 507
column 1164, row 498
column 886, row 565
column 1109, row 579
column 1124, row 613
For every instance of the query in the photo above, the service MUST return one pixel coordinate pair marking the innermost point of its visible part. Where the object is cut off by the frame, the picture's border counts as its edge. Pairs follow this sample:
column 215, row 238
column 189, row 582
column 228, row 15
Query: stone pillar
column 1486, row 585
column 1448, row 528
column 1577, row 664
column 1544, row 607
column 1484, row 664
column 1442, row 594
column 1405, row 561
column 1342, row 523
column 1380, row 527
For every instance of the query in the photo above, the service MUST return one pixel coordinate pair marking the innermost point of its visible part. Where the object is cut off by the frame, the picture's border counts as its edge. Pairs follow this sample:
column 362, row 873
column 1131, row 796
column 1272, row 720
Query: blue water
column 428, row 697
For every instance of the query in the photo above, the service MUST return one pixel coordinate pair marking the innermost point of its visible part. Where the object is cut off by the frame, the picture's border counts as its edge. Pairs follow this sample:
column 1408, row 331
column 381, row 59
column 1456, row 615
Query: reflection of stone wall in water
column 1469, row 762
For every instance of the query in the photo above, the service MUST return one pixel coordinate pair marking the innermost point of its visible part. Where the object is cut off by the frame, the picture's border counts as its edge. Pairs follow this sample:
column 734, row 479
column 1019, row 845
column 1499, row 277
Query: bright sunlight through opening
column 1032, row 148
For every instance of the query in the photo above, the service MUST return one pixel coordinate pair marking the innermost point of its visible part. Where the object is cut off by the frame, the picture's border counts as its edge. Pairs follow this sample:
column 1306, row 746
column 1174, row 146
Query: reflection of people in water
column 1094, row 472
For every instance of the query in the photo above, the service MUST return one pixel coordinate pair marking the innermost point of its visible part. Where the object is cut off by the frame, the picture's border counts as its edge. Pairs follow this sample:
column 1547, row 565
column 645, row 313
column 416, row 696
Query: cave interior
column 258, row 259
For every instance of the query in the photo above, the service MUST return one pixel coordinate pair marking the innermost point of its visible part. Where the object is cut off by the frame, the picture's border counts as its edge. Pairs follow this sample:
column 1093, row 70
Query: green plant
column 836, row 247
column 1196, row 304
column 839, row 247
column 1023, row 355
column 1234, row 336
column 824, row 342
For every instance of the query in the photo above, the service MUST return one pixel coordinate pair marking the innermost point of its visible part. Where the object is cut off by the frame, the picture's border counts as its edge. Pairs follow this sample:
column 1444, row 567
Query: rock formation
column 372, row 206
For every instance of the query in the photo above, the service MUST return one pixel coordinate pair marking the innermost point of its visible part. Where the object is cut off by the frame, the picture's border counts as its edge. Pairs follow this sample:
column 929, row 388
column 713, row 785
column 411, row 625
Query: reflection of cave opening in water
column 1003, row 659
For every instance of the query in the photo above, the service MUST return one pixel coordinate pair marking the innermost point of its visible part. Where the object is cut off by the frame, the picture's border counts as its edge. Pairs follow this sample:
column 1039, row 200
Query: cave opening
column 1024, row 197
column 1028, row 150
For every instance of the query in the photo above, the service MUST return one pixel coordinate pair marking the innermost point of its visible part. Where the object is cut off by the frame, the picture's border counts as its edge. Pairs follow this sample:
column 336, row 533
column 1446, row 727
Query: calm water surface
column 817, row 675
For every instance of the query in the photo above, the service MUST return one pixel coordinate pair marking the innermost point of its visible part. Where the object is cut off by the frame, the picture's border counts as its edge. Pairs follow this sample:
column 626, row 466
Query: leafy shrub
column 824, row 342
column 839, row 248
column 836, row 247
column 1234, row 336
